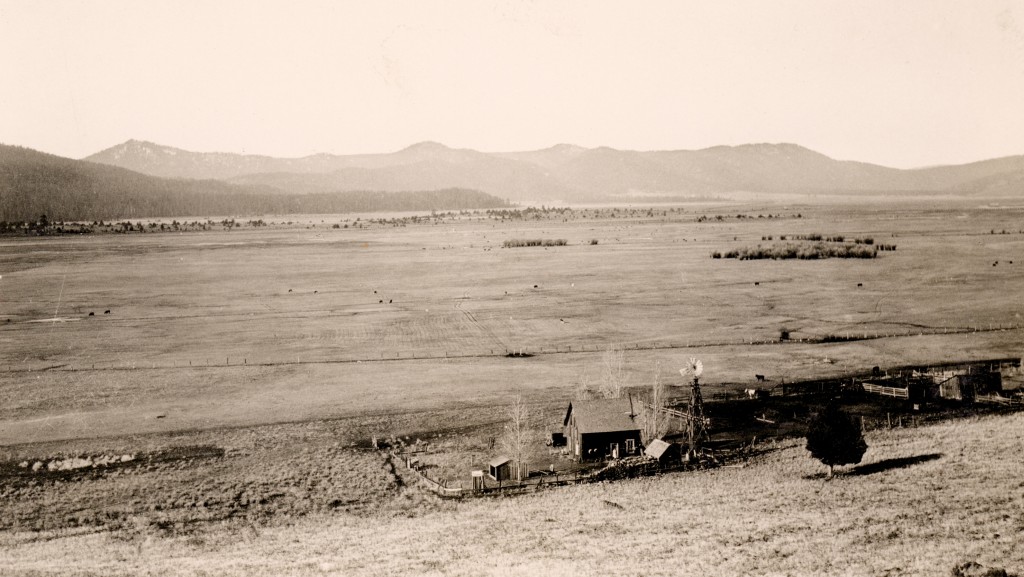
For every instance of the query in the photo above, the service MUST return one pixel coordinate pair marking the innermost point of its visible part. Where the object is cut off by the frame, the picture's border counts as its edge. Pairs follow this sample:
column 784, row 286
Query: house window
column 630, row 446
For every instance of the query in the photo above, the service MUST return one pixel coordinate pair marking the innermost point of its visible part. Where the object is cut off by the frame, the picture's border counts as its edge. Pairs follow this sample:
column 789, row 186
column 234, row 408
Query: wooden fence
column 408, row 463
column 896, row 392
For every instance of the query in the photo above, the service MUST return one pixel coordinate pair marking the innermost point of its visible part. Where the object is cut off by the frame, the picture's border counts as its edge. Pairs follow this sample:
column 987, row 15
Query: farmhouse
column 601, row 429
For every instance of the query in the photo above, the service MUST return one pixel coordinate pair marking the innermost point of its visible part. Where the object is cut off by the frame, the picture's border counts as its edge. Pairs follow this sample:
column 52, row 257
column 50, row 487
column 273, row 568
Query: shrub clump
column 521, row 242
column 815, row 251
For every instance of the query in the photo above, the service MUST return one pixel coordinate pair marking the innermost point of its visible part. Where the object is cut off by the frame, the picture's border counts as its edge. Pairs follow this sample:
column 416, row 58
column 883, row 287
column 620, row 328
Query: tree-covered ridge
column 34, row 183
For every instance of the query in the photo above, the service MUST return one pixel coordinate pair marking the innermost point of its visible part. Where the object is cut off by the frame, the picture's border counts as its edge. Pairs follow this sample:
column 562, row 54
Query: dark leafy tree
column 835, row 438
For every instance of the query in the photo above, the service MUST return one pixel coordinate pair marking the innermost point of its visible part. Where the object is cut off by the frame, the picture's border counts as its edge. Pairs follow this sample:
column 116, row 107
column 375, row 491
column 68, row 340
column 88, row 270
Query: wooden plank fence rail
column 997, row 399
column 895, row 392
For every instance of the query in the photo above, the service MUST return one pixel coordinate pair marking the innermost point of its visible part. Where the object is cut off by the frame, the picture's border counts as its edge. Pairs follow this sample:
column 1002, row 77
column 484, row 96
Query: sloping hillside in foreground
column 928, row 499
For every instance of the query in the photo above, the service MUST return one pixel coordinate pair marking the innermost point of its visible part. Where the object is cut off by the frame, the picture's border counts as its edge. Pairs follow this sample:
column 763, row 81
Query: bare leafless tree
column 517, row 436
column 613, row 373
column 653, row 424
column 583, row 391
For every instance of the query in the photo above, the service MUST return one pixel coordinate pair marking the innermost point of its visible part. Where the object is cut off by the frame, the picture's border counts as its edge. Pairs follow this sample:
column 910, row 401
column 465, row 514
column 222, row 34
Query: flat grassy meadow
column 285, row 323
column 227, row 384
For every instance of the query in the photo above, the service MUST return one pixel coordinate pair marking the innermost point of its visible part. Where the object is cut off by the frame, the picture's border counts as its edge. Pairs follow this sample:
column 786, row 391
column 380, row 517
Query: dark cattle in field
column 92, row 314
column 860, row 284
column 759, row 377
column 106, row 312
column 757, row 283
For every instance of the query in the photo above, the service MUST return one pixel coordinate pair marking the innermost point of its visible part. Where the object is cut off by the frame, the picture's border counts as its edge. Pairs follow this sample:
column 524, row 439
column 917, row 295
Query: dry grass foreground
column 923, row 501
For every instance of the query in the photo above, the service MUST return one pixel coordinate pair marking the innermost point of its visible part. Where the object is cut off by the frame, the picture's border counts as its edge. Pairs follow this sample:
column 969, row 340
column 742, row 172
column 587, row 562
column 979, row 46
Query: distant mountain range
column 572, row 173
column 142, row 179
column 34, row 183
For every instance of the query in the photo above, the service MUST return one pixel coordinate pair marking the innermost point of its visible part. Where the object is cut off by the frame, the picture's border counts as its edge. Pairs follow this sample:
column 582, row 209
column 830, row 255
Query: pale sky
column 899, row 83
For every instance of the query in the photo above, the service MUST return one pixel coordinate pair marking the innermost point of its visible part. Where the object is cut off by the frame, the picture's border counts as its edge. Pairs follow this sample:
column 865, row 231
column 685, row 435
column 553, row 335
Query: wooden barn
column 601, row 429
column 966, row 387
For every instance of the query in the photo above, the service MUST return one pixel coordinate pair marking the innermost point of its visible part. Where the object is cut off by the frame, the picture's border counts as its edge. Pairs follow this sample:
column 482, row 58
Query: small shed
column 478, row 479
column 662, row 451
column 500, row 468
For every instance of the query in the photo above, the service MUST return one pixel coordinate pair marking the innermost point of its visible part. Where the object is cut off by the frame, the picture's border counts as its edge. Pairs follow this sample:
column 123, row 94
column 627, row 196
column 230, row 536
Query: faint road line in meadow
column 243, row 362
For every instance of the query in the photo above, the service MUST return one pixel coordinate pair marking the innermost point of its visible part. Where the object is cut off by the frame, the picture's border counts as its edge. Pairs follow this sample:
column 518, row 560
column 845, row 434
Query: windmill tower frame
column 697, row 423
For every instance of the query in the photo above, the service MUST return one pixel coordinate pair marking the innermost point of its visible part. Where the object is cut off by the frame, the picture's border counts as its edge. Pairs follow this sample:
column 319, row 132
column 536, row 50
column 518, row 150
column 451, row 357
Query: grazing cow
column 92, row 314
column 315, row 292
column 756, row 283
column 860, row 284
column 289, row 290
column 390, row 301
column 759, row 378
column 106, row 312
column 380, row 302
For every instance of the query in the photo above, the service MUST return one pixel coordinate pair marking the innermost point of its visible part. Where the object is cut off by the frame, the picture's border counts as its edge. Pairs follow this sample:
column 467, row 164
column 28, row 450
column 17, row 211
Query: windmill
column 697, row 424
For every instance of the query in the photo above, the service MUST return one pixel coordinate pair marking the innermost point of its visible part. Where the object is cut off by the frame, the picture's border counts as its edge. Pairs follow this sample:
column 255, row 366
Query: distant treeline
column 33, row 184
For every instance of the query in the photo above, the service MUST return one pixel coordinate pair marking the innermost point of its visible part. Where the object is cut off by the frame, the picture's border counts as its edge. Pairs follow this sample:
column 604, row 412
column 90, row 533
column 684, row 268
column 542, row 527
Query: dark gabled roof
column 657, row 448
column 602, row 415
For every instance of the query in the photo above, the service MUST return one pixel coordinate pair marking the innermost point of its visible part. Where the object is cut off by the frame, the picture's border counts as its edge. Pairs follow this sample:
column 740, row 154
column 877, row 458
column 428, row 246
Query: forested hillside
column 33, row 183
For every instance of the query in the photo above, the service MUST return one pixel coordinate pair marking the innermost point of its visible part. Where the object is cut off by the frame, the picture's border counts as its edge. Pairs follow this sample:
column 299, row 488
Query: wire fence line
column 524, row 352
